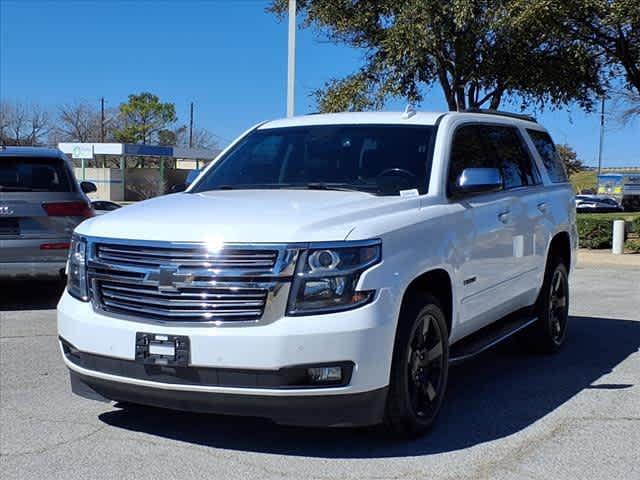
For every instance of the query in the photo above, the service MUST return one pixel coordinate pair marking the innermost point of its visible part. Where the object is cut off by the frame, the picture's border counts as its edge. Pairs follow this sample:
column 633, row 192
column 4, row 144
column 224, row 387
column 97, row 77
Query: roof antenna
column 409, row 111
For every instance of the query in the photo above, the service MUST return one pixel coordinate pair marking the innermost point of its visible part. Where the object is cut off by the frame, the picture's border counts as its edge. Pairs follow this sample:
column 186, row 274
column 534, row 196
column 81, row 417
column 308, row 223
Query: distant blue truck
column 624, row 187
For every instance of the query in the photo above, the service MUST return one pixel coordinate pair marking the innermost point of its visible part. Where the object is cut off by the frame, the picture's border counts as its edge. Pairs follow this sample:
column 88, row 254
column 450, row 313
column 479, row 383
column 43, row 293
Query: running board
column 487, row 337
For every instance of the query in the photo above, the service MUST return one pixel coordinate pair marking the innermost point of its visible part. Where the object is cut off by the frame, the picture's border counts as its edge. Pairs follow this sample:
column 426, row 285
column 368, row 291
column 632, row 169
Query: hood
column 260, row 216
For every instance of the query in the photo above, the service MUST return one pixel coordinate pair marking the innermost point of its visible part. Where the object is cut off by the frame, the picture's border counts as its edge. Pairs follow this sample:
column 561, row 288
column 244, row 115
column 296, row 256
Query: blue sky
column 229, row 57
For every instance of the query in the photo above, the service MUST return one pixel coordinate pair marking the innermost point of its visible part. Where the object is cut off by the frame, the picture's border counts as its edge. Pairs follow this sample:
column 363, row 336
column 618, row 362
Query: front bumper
column 358, row 409
column 363, row 337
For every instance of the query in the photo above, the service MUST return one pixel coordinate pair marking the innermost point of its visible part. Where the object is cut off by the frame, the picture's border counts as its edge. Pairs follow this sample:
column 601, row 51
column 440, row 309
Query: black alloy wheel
column 549, row 333
column 419, row 368
column 425, row 366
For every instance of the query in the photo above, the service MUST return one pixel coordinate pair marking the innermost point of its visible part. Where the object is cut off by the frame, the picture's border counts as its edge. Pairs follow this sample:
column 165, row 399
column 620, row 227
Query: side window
column 547, row 151
column 508, row 152
column 467, row 151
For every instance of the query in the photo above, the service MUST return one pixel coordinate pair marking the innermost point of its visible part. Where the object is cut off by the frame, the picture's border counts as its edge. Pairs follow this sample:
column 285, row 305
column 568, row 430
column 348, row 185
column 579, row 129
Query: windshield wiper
column 249, row 186
column 342, row 187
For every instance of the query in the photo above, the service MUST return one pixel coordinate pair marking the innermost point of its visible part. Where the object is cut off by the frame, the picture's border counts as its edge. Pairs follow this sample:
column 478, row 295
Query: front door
column 485, row 254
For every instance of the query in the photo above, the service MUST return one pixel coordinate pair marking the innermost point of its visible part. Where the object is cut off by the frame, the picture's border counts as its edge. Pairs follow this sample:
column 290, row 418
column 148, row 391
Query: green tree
column 144, row 117
column 611, row 28
column 569, row 159
column 479, row 51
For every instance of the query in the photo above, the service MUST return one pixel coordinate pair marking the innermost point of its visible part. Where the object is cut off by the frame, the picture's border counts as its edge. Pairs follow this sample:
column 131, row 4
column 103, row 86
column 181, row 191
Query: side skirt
column 489, row 336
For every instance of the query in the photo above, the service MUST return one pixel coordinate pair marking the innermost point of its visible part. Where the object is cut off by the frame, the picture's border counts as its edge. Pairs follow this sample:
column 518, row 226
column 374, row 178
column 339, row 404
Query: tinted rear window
column 34, row 174
column 549, row 154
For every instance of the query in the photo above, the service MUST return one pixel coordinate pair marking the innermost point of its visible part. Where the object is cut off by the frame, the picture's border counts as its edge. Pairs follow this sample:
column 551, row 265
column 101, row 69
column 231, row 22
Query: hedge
column 595, row 230
column 632, row 245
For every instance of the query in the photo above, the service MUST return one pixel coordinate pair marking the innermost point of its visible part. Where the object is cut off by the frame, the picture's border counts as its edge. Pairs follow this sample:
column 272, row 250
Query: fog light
column 325, row 374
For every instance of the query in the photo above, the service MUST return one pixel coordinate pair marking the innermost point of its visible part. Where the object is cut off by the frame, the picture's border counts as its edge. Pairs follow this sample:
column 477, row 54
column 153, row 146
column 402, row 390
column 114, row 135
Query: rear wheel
column 419, row 368
column 550, row 331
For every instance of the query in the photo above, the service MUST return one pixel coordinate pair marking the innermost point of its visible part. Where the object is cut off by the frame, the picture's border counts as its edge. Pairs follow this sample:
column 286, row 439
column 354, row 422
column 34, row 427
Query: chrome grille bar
column 189, row 284
column 195, row 256
column 194, row 304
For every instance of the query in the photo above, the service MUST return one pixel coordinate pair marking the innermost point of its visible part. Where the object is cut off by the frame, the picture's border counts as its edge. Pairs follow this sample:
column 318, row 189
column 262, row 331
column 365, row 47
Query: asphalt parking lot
column 508, row 415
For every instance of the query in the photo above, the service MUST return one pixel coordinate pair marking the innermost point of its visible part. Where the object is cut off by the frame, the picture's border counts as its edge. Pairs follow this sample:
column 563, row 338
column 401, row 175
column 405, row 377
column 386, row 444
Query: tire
column 419, row 368
column 549, row 333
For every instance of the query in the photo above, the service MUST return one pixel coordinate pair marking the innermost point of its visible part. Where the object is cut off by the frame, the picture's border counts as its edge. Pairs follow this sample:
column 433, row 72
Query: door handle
column 542, row 206
column 504, row 216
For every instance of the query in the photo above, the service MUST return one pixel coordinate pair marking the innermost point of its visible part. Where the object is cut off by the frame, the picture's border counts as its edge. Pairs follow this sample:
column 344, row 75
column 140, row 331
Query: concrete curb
column 605, row 257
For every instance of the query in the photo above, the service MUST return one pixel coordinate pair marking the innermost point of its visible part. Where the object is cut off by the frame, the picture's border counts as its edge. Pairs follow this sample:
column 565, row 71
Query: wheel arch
column 560, row 245
column 436, row 282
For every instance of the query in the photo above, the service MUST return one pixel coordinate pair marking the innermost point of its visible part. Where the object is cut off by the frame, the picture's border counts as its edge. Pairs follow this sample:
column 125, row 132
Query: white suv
column 326, row 270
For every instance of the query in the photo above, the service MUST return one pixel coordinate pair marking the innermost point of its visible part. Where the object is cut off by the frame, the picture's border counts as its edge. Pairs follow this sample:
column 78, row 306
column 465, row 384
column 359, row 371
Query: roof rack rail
column 521, row 116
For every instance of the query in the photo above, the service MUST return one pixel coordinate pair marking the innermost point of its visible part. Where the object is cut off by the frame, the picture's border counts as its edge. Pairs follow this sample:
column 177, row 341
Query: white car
column 327, row 270
column 596, row 204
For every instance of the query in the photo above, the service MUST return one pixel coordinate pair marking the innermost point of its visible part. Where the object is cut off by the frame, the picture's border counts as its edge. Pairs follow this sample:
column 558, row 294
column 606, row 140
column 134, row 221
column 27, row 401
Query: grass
column 583, row 179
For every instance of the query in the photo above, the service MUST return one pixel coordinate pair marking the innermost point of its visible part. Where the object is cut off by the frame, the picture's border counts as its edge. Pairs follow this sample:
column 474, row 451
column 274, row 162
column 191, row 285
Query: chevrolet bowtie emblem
column 168, row 277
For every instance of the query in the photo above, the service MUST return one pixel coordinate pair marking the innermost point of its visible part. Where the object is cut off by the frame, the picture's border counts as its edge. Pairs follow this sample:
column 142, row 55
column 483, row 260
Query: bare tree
column 5, row 114
column 147, row 188
column 23, row 124
column 626, row 104
column 78, row 122
column 202, row 138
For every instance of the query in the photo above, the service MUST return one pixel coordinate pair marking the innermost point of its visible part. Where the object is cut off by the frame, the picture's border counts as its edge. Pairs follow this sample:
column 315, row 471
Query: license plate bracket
column 160, row 349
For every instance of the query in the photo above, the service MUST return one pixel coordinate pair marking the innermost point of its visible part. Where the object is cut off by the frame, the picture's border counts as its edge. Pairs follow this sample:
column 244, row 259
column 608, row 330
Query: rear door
column 40, row 205
column 556, row 202
column 523, row 184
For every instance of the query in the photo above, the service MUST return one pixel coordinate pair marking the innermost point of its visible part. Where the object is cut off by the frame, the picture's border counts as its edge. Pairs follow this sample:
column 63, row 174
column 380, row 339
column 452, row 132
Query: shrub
column 632, row 245
column 634, row 225
column 594, row 231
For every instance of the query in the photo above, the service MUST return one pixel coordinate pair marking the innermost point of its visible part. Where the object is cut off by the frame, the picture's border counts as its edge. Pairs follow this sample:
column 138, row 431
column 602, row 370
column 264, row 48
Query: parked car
column 596, row 204
column 40, row 205
column 327, row 270
column 104, row 206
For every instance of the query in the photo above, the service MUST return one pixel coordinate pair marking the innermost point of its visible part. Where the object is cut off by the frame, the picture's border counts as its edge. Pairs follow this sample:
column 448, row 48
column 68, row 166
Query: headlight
column 77, row 269
column 326, row 278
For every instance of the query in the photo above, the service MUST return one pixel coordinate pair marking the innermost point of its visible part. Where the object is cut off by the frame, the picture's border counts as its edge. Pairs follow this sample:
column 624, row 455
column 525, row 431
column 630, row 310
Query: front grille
column 194, row 304
column 196, row 256
column 186, row 282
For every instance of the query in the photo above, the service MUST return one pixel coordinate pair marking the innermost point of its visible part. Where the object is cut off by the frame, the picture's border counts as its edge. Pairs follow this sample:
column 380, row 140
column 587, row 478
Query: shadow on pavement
column 19, row 294
column 493, row 396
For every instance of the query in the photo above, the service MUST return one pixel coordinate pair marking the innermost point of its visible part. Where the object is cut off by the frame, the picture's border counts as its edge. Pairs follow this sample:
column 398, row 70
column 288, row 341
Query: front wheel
column 550, row 331
column 419, row 368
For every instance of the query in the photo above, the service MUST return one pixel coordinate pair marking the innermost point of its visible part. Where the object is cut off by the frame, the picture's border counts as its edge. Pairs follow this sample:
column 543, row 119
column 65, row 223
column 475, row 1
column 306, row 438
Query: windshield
column 378, row 159
column 33, row 174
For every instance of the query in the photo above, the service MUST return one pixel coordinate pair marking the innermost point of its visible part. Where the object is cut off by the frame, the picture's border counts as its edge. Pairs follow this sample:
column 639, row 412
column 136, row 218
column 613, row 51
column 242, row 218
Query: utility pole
column 291, row 70
column 191, row 126
column 102, row 119
column 601, row 136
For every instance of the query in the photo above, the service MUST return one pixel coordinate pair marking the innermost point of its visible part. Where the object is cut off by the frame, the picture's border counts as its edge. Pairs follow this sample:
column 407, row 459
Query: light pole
column 102, row 119
column 191, row 126
column 601, row 136
column 291, row 70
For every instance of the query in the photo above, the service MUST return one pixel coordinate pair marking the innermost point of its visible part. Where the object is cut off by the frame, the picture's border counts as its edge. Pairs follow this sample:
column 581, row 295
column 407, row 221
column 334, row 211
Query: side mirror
column 479, row 180
column 88, row 187
column 179, row 187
